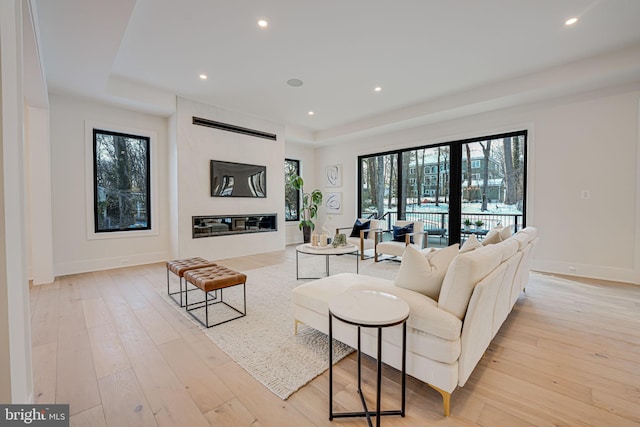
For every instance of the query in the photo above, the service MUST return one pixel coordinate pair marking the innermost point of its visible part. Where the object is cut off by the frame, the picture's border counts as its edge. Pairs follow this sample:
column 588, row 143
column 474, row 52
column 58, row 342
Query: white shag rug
column 263, row 342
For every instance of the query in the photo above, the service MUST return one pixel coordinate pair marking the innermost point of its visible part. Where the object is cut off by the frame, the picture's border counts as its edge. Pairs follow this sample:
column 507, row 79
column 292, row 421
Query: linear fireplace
column 224, row 225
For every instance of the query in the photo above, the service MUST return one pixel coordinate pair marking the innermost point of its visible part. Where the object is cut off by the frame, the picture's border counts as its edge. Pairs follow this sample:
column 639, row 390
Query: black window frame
column 145, row 138
column 288, row 188
column 455, row 181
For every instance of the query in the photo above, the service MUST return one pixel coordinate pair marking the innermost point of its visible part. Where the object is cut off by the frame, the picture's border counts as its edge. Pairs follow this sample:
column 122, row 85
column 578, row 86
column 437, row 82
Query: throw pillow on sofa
column 470, row 244
column 497, row 234
column 425, row 273
column 505, row 233
column 355, row 232
column 465, row 271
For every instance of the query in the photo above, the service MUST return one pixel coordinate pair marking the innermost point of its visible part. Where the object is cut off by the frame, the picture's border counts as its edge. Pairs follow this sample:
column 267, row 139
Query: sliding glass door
column 456, row 189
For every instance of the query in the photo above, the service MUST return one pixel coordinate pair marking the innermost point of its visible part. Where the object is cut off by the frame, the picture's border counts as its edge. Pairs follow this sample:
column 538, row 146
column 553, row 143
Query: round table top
column 369, row 308
column 326, row 250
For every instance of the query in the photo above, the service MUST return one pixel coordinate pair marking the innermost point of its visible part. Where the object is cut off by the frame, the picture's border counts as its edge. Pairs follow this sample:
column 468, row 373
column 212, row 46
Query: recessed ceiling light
column 570, row 21
column 203, row 76
column 377, row 89
column 311, row 113
column 262, row 23
column 294, row 82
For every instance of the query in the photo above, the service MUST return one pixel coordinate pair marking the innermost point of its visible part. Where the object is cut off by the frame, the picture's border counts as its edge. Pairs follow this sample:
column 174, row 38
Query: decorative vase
column 306, row 233
column 324, row 239
column 314, row 239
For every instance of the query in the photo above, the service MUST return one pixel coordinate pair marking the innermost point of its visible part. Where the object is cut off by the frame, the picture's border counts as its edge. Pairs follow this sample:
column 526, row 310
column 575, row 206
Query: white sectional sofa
column 447, row 333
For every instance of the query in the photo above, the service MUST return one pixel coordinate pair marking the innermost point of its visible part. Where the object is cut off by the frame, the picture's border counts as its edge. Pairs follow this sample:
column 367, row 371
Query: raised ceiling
column 432, row 58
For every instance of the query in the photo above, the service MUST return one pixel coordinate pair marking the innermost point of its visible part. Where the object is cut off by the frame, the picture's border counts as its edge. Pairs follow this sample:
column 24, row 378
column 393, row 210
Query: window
column 291, row 195
column 494, row 194
column 121, row 182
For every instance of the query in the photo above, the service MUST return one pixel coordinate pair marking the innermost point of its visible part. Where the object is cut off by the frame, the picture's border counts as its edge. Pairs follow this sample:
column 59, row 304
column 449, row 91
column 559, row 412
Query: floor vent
column 232, row 128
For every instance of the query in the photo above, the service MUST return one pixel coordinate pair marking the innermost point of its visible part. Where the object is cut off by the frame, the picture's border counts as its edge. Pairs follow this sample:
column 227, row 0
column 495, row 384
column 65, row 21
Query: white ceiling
column 434, row 59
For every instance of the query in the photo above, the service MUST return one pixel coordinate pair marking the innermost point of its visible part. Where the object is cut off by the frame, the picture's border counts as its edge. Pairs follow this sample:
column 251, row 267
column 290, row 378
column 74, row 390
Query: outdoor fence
column 436, row 222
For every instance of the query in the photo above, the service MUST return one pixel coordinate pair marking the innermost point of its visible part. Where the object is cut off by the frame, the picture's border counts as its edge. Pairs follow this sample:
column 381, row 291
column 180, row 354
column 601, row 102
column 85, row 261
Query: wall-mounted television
column 230, row 179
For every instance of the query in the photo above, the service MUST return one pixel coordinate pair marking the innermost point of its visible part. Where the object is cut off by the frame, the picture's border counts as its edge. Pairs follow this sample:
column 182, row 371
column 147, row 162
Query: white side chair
column 396, row 248
column 366, row 239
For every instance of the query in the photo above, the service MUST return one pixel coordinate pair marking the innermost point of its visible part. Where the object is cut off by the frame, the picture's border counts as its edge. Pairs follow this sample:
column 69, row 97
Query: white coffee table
column 327, row 251
column 369, row 309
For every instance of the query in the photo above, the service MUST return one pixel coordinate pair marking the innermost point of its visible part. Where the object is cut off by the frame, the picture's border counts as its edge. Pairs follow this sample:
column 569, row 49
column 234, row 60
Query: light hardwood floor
column 111, row 347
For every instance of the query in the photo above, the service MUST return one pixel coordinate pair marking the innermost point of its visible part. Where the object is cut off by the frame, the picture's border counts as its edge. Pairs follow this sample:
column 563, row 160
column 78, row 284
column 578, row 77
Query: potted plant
column 309, row 210
column 467, row 223
column 479, row 224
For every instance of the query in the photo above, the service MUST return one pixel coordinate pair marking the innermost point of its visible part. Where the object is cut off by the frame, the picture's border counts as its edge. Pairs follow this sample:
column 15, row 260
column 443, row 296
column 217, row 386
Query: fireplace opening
column 224, row 225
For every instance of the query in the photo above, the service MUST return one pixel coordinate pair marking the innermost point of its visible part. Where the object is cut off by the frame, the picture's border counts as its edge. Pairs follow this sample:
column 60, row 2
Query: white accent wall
column 195, row 147
column 73, row 250
column 586, row 142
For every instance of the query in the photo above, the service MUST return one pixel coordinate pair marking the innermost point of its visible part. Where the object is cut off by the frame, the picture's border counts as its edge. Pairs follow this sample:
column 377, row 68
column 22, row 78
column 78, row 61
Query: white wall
column 589, row 142
column 39, row 191
column 306, row 155
column 73, row 251
column 16, row 377
column 196, row 146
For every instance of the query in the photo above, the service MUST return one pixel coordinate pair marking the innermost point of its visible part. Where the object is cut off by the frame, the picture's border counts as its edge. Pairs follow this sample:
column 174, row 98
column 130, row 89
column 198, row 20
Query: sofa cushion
column 425, row 273
column 425, row 315
column 524, row 236
column 470, row 244
column 509, row 248
column 505, row 233
column 465, row 271
column 357, row 226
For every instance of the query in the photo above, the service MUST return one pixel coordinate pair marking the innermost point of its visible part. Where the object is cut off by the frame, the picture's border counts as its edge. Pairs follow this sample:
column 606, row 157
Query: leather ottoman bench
column 181, row 266
column 210, row 279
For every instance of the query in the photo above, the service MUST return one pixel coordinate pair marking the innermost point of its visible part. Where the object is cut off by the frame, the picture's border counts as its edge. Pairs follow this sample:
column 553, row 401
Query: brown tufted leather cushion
column 180, row 266
column 211, row 278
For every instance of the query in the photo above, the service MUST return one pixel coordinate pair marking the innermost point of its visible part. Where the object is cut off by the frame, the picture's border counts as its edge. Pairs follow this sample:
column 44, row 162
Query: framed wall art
column 333, row 175
column 333, row 203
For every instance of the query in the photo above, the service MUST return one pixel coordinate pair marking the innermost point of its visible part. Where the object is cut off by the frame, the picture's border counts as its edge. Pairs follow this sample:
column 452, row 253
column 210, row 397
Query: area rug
column 263, row 342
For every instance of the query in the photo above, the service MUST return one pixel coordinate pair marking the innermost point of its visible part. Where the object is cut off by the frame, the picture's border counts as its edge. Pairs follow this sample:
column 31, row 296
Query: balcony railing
column 439, row 221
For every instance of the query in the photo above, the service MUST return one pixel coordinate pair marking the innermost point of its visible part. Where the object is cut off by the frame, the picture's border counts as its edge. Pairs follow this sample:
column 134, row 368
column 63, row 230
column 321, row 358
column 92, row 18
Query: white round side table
column 369, row 309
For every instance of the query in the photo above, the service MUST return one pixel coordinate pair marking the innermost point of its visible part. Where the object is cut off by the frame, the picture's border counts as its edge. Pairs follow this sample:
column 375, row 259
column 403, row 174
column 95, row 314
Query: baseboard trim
column 598, row 272
column 86, row 266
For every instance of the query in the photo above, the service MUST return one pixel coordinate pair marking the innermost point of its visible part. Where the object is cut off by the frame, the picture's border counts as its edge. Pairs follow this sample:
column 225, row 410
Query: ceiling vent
column 233, row 128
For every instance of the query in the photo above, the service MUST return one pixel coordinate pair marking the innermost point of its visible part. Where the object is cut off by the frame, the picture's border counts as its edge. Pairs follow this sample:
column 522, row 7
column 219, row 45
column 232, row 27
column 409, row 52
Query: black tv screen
column 238, row 180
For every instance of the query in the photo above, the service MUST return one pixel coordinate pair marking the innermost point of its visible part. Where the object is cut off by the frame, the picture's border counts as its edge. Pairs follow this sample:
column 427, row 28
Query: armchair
column 361, row 235
column 404, row 233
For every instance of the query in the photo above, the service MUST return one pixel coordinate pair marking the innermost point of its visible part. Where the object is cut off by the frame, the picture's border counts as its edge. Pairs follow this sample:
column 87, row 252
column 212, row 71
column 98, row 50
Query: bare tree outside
column 486, row 150
column 380, row 185
column 291, row 195
column 509, row 173
column 121, row 182
column 391, row 179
